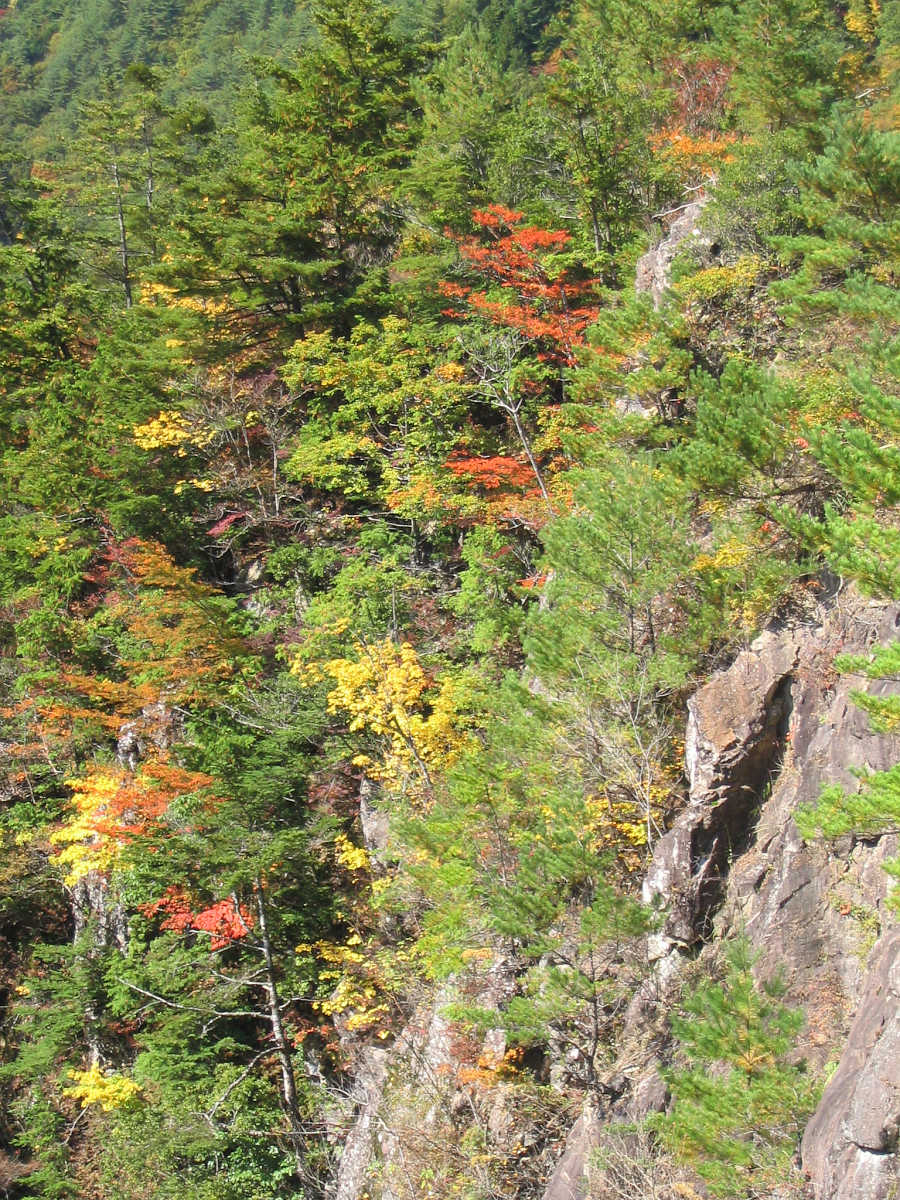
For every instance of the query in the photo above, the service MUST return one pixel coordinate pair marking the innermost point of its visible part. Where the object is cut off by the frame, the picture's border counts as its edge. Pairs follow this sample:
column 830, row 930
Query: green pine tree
column 739, row 1105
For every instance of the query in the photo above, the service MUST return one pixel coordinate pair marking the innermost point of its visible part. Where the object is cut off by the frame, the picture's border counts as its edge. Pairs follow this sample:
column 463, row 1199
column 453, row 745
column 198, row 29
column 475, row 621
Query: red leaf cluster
column 491, row 472
column 224, row 921
column 226, row 523
column 547, row 306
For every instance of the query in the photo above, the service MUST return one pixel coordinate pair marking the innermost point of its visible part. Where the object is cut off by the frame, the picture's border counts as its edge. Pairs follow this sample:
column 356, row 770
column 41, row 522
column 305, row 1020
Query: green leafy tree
column 602, row 117
column 381, row 418
column 739, row 1106
column 287, row 227
column 486, row 599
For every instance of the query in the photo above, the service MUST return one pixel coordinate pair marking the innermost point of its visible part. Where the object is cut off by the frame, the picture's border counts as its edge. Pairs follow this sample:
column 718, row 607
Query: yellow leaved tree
column 111, row 806
column 94, row 1086
column 386, row 692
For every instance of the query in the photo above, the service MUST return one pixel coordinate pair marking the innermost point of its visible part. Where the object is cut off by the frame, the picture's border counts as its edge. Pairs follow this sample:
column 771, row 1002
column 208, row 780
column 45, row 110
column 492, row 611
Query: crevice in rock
column 729, row 827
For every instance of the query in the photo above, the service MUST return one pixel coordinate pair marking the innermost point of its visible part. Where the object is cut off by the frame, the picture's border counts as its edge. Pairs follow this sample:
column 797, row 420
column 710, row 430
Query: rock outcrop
column 738, row 727
column 654, row 268
column 570, row 1179
column 850, row 1147
column 412, row 1094
column 361, row 1143
column 814, row 911
column 764, row 737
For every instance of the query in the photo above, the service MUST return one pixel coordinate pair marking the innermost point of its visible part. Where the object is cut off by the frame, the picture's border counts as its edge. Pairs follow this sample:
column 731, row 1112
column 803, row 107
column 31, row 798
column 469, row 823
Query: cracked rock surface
column 850, row 1145
column 764, row 736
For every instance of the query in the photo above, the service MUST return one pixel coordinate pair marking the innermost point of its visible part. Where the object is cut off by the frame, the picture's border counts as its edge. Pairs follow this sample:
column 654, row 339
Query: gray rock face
column 411, row 1091
column 850, row 1145
column 423, row 1056
column 374, row 822
column 764, row 737
column 738, row 727
column 158, row 726
column 359, row 1148
column 654, row 267
column 569, row 1181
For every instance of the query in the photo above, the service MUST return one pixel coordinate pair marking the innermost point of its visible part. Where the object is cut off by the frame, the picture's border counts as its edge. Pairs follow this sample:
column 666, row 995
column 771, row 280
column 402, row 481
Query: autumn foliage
column 386, row 692
column 491, row 472
column 112, row 806
column 546, row 303
column 176, row 651
column 226, row 921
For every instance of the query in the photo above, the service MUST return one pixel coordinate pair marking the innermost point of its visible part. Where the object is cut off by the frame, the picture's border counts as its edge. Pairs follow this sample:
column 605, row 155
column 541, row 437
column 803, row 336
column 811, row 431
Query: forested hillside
column 367, row 532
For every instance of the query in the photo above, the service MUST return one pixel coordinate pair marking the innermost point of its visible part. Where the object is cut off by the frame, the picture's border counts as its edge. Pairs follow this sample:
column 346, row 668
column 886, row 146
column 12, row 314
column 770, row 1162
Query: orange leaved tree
column 525, row 321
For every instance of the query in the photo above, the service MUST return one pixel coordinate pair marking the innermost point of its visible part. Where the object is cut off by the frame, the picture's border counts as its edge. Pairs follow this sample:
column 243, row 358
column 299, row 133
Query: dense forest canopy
column 346, row 470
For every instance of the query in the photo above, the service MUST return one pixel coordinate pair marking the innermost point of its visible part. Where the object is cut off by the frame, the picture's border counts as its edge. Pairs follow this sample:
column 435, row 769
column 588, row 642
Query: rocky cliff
column 764, row 735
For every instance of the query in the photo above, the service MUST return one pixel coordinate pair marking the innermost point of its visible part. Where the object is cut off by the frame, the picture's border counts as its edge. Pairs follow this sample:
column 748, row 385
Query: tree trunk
column 279, row 1038
column 526, row 446
column 123, row 238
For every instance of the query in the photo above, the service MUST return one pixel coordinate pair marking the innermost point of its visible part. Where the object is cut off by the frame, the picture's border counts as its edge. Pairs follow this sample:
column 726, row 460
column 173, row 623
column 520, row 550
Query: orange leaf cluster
column 111, row 806
column 548, row 306
column 701, row 152
column 182, row 650
column 491, row 472
column 225, row 921
column 145, row 797
column 534, row 581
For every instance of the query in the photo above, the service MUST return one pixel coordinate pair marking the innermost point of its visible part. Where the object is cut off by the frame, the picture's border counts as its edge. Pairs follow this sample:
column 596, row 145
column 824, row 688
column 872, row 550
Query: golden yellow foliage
column 111, row 806
column 94, row 1087
column 159, row 294
column 450, row 372
column 720, row 281
column 730, row 554
column 358, row 984
column 85, row 847
column 386, row 692
column 170, row 430
column 861, row 19
column 354, row 858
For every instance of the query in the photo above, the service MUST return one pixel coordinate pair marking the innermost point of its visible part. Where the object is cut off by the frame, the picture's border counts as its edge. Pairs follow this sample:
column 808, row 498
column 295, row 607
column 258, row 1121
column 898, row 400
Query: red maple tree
column 551, row 307
column 226, row 921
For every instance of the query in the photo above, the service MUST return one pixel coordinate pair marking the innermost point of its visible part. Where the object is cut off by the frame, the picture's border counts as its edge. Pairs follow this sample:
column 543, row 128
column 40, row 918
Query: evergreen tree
column 787, row 56
column 738, row 1107
column 601, row 116
column 467, row 106
column 289, row 229
column 610, row 644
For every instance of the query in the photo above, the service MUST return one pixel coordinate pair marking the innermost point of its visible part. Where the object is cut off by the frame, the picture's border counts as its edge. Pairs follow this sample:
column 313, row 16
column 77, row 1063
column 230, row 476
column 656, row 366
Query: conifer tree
column 289, row 224
column 610, row 641
column 602, row 118
column 738, row 1107
column 787, row 56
